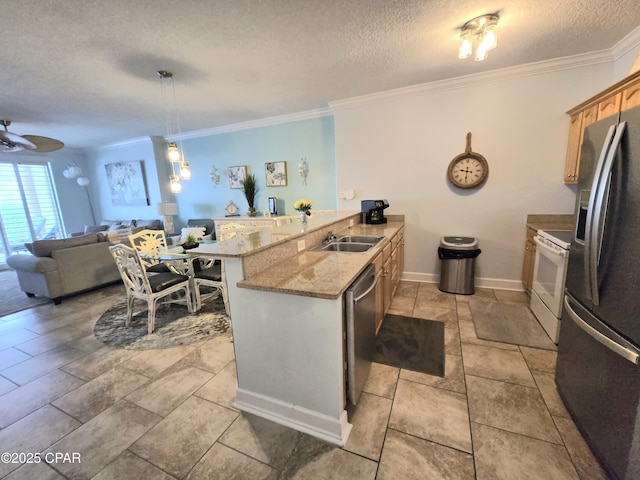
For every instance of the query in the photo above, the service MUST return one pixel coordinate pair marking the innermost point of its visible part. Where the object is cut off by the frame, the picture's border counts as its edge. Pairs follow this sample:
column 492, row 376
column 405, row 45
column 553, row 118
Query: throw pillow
column 95, row 228
column 198, row 232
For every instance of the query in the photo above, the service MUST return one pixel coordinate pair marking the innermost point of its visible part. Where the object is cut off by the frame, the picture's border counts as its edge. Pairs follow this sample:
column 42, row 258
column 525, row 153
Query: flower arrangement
column 303, row 205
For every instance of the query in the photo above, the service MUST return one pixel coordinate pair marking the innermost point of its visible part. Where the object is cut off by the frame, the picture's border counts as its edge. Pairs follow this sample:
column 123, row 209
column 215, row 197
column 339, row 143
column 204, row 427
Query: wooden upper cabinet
column 609, row 106
column 631, row 97
column 621, row 96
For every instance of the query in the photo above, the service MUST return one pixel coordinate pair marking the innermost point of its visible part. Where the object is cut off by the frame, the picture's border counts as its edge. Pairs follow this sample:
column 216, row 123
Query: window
column 28, row 207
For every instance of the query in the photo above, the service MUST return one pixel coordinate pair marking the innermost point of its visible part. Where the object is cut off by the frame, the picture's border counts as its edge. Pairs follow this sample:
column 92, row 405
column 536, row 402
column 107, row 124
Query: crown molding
column 536, row 68
column 125, row 143
column 263, row 122
column 628, row 43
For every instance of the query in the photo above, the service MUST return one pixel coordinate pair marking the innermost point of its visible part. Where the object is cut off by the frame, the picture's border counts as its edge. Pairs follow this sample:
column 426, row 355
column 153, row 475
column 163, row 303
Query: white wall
column 398, row 146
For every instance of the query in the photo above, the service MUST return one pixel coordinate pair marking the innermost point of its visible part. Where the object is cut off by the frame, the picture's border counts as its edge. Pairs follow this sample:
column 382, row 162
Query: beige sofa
column 58, row 268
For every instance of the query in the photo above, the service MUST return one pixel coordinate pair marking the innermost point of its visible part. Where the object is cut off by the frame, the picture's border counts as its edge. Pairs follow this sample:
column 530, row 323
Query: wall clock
column 469, row 169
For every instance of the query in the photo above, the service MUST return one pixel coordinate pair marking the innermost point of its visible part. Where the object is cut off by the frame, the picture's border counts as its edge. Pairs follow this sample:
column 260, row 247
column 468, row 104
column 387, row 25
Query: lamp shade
column 167, row 208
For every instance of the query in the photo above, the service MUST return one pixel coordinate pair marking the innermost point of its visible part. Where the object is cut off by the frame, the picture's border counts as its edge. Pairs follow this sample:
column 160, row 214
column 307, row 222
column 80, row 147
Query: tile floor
column 164, row 414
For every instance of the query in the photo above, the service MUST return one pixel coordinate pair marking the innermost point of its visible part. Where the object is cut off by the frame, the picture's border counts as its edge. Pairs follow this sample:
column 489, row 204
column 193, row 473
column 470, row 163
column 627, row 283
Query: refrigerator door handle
column 600, row 212
column 629, row 353
column 597, row 178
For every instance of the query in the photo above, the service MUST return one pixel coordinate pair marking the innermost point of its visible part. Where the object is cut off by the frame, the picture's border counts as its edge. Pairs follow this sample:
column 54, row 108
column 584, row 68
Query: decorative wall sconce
column 303, row 169
column 481, row 32
column 168, row 210
column 214, row 175
column 179, row 165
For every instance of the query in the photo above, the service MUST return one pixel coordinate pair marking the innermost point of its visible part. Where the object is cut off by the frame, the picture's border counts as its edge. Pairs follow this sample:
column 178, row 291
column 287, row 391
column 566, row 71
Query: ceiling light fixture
column 179, row 165
column 481, row 32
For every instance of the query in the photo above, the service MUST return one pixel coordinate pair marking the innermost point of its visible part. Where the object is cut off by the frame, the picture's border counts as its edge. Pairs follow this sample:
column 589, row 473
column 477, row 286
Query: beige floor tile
column 88, row 343
column 34, row 433
column 25, row 372
column 408, row 457
column 369, row 419
column 166, row 392
column 547, row 386
column 131, row 466
column 382, row 380
column 446, row 315
column 583, row 459
column 314, row 459
column 50, row 340
column 407, row 289
column 402, row 306
column 433, row 414
column 514, row 408
column 12, row 356
column 497, row 364
column 512, row 296
column 429, row 297
column 224, row 463
column 480, row 293
column 34, row 395
column 452, row 341
column 103, row 438
column 32, row 471
column 213, row 356
column 222, row 388
column 261, row 439
column 540, row 360
column 453, row 376
column 178, row 442
column 463, row 311
column 468, row 335
column 504, row 455
column 152, row 363
column 96, row 363
column 16, row 337
column 97, row 395
column 6, row 386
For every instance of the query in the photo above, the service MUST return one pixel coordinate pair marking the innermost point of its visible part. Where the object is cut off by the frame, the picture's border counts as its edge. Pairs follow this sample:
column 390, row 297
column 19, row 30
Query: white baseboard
column 329, row 429
column 497, row 283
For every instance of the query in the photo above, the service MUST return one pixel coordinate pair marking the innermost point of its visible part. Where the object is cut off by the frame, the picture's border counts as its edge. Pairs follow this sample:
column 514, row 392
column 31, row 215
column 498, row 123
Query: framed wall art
column 127, row 184
column 237, row 176
column 276, row 174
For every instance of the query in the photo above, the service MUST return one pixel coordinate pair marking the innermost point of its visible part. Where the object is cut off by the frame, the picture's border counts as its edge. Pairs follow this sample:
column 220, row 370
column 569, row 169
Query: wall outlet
column 300, row 245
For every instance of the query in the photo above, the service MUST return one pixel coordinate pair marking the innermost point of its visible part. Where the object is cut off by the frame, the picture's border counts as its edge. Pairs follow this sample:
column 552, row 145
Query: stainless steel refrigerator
column 597, row 372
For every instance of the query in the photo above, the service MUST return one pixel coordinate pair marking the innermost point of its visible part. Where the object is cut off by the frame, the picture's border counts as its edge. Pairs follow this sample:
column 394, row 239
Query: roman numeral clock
column 469, row 169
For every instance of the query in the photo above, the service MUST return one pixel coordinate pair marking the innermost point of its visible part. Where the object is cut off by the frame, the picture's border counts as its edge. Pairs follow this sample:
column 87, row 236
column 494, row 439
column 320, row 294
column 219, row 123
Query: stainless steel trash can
column 458, row 257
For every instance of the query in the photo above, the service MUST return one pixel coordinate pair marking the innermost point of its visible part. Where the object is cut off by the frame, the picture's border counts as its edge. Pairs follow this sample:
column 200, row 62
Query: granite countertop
column 322, row 274
column 550, row 221
column 243, row 242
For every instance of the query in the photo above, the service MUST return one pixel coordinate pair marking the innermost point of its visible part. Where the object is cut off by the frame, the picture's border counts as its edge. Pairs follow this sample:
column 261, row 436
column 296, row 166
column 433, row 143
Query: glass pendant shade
column 176, row 187
column 173, row 152
column 478, row 34
column 185, row 173
column 482, row 52
column 83, row 181
column 465, row 48
column 490, row 39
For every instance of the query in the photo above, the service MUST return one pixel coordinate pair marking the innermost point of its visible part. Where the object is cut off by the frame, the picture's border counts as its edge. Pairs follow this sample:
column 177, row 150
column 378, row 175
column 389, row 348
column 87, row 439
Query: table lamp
column 168, row 210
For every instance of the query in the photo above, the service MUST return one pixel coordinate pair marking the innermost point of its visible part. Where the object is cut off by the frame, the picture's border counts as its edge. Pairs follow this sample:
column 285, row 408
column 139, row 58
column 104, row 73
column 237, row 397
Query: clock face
column 231, row 208
column 468, row 171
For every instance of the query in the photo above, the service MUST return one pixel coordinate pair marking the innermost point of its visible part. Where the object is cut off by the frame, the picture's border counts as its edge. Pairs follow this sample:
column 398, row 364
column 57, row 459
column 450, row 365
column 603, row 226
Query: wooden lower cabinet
column 389, row 268
column 529, row 260
column 378, row 262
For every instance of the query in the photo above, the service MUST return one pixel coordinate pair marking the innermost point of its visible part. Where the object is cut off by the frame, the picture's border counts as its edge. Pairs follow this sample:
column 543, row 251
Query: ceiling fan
column 10, row 142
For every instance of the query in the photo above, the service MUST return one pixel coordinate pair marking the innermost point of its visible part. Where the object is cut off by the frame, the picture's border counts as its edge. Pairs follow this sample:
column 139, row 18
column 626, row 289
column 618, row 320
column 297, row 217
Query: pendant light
column 179, row 166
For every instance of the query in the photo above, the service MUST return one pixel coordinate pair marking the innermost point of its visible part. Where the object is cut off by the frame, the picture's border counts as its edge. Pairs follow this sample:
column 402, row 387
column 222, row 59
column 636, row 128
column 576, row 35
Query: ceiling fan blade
column 11, row 141
column 43, row 144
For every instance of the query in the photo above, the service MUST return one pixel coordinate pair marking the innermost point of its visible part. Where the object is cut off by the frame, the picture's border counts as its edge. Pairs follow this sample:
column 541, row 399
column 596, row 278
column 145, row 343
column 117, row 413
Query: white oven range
column 549, row 276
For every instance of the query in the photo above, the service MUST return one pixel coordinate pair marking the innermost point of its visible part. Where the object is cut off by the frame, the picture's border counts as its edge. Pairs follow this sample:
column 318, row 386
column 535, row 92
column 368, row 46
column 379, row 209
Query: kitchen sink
column 370, row 239
column 336, row 246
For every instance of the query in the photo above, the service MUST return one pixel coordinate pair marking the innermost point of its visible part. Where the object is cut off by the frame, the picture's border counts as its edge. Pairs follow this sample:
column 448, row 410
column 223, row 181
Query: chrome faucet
column 330, row 237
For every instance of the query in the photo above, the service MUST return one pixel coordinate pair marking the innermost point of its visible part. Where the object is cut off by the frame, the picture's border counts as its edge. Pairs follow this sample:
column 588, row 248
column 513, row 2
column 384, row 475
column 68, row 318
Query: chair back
column 150, row 245
column 131, row 269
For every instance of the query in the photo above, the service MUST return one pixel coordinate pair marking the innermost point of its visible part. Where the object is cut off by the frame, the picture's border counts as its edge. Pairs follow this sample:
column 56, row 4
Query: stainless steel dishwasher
column 361, row 331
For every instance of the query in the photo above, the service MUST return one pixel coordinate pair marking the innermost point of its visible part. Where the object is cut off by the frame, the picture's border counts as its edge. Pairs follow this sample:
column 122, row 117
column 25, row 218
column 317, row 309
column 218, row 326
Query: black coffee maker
column 372, row 211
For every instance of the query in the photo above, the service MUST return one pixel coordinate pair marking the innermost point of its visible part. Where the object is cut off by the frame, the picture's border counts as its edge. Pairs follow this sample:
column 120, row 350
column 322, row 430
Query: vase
column 252, row 212
column 303, row 218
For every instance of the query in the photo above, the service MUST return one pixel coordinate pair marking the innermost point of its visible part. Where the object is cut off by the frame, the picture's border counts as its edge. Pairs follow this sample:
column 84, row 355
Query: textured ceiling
column 83, row 71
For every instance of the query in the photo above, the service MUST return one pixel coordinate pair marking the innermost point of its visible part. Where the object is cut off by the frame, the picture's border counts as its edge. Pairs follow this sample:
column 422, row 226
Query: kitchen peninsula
column 287, row 309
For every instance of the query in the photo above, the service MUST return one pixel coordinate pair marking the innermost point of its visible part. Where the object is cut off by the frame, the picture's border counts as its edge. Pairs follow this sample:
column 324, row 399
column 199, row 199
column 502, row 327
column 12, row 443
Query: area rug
column 12, row 299
column 508, row 323
column 174, row 326
column 411, row 343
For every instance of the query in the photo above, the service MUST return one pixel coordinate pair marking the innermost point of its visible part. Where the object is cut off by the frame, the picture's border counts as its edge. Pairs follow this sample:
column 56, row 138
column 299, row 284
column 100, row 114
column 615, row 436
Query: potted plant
column 250, row 189
column 190, row 242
